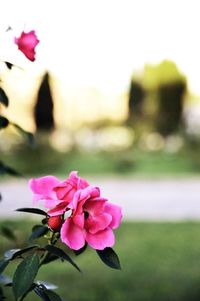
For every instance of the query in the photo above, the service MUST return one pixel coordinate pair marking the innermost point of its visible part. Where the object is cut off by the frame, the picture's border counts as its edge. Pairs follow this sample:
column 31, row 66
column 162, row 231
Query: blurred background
column 114, row 93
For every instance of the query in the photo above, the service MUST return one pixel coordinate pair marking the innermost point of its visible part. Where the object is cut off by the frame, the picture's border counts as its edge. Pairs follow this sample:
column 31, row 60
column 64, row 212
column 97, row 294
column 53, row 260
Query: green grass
column 160, row 261
column 133, row 162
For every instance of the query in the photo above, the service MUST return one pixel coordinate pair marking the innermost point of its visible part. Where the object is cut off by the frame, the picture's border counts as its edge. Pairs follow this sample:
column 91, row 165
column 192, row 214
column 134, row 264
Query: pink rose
column 56, row 194
column 92, row 221
column 27, row 43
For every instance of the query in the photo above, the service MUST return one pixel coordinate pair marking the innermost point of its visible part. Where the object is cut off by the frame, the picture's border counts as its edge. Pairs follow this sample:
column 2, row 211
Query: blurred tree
column 135, row 101
column 164, row 73
column 170, row 107
column 43, row 111
column 167, row 85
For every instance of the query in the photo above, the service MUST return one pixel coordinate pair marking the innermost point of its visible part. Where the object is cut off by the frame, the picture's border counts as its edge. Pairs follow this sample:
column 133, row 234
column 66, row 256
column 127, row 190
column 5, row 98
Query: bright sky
column 101, row 43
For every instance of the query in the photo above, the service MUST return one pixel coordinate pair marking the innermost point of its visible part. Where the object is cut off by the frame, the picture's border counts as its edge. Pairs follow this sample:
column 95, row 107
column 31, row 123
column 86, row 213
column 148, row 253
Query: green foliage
column 49, row 258
column 110, row 258
column 22, row 282
column 25, row 275
column 8, row 233
column 61, row 254
column 5, row 169
column 170, row 107
column 3, row 265
column 133, row 162
column 46, row 295
column 164, row 73
column 38, row 231
column 35, row 256
column 164, row 87
column 32, row 210
column 2, row 297
column 160, row 261
column 15, row 253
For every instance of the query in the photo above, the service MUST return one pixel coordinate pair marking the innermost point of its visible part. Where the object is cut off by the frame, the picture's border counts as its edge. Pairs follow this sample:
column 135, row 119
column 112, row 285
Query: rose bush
column 90, row 217
column 76, row 213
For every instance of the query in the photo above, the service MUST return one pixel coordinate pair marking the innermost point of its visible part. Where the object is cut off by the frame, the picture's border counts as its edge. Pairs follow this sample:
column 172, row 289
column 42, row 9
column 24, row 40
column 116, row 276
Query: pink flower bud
column 27, row 43
column 55, row 223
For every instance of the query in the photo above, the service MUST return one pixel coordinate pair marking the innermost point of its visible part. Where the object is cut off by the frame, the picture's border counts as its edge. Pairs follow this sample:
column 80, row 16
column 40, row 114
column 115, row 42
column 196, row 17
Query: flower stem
column 52, row 240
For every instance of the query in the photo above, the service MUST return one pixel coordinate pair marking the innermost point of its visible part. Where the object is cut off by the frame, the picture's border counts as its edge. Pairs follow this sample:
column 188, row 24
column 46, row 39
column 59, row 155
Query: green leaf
column 44, row 221
column 8, row 233
column 47, row 285
column 2, row 297
column 32, row 210
column 5, row 280
column 4, row 122
column 40, row 291
column 61, row 254
column 9, row 253
column 53, row 296
column 3, row 265
column 25, row 274
column 31, row 288
column 49, row 258
column 14, row 253
column 38, row 231
column 3, row 97
column 22, row 251
column 9, row 65
column 27, row 135
column 46, row 295
column 110, row 258
column 5, row 169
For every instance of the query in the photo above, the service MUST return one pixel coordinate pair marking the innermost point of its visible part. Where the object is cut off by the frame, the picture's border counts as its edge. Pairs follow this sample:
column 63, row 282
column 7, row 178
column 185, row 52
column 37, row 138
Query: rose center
column 86, row 215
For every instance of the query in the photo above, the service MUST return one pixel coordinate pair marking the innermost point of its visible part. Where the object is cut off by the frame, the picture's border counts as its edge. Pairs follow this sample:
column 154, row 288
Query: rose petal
column 95, row 206
column 79, row 199
column 66, row 189
column 79, row 220
column 49, row 203
column 80, row 183
column 97, row 223
column 43, row 188
column 58, row 210
column 116, row 212
column 72, row 235
column 101, row 240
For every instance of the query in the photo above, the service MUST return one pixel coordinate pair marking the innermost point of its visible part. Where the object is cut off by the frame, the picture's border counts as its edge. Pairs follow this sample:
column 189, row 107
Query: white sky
column 102, row 42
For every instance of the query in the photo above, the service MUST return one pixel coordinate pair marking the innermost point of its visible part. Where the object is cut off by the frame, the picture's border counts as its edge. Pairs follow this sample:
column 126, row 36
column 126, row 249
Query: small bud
column 55, row 223
column 26, row 44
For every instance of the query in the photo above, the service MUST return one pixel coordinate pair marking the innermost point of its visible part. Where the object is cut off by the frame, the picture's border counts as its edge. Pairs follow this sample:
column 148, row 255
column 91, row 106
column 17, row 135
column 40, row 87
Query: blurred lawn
column 160, row 261
column 45, row 160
